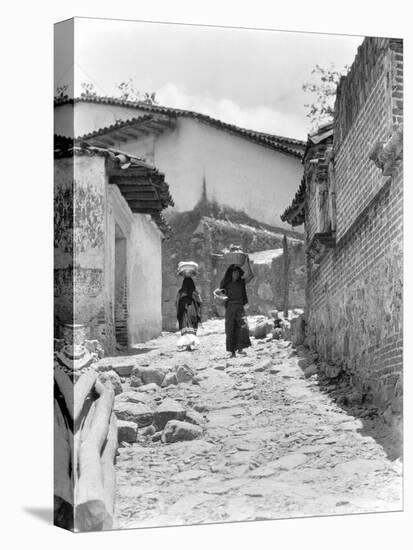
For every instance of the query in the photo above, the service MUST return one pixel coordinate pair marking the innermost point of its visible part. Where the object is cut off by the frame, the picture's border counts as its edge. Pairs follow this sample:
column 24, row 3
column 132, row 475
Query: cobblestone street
column 274, row 443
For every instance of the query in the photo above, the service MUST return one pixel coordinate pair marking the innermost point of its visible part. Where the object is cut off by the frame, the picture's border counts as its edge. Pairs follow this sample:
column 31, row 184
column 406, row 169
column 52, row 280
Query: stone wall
column 266, row 290
column 354, row 295
column 201, row 235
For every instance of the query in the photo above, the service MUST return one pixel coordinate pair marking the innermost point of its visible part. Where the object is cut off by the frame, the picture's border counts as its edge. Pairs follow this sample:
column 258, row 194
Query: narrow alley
column 265, row 439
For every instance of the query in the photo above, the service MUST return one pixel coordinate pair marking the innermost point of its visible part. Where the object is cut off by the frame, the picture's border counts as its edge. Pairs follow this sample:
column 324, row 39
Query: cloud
column 259, row 117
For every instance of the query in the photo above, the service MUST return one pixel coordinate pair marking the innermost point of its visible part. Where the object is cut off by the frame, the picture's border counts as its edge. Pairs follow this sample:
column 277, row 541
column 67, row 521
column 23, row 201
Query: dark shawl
column 188, row 296
column 228, row 279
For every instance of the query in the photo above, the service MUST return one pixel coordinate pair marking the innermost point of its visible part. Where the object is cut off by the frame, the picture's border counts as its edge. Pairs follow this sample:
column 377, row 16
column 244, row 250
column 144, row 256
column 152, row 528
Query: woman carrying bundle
column 236, row 328
column 188, row 312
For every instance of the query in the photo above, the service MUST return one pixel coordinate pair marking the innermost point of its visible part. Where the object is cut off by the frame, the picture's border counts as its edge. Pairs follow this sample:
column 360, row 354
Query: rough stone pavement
column 275, row 445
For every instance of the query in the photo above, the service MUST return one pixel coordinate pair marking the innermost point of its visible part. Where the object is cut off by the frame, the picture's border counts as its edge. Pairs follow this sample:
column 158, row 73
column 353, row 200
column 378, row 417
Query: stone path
column 274, row 444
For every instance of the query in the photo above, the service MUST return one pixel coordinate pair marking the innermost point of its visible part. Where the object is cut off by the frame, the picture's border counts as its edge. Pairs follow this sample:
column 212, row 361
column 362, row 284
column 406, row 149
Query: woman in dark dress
column 188, row 312
column 236, row 327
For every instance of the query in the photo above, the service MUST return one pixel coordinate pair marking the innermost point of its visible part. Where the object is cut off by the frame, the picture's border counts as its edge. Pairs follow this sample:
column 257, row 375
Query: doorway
column 121, row 290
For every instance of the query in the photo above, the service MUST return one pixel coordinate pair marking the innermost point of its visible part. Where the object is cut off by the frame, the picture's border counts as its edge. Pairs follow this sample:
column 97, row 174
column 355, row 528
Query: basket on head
column 235, row 256
column 187, row 269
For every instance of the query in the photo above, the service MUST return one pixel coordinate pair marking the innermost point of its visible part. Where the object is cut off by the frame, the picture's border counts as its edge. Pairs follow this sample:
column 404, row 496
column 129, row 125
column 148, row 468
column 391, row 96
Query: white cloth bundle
column 187, row 269
column 188, row 341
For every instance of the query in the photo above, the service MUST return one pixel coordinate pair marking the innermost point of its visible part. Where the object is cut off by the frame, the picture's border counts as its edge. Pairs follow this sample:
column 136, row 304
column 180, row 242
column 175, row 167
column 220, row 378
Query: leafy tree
column 321, row 110
column 61, row 92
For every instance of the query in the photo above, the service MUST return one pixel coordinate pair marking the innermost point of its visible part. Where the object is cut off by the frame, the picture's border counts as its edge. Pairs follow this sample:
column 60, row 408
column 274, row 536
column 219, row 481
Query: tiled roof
column 294, row 214
column 141, row 184
column 289, row 146
column 123, row 130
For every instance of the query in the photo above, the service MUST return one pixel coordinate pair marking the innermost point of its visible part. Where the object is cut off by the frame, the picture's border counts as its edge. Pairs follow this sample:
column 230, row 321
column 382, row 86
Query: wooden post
column 286, row 276
column 85, row 447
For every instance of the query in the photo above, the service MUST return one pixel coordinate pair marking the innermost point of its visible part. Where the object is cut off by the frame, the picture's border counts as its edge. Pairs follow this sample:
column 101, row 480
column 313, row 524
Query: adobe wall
column 79, row 243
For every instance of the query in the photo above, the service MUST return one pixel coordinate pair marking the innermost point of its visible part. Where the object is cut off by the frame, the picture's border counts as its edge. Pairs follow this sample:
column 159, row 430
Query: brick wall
column 354, row 292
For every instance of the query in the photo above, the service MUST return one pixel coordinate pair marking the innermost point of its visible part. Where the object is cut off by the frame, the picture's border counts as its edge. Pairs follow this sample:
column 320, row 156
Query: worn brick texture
column 354, row 292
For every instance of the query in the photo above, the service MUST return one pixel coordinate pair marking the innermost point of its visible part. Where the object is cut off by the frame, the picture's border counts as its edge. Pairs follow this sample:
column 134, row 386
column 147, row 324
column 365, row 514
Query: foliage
column 88, row 90
column 129, row 92
column 321, row 110
column 61, row 92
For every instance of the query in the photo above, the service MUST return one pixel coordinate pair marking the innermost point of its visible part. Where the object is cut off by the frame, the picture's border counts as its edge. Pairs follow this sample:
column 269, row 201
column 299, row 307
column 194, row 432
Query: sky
column 251, row 78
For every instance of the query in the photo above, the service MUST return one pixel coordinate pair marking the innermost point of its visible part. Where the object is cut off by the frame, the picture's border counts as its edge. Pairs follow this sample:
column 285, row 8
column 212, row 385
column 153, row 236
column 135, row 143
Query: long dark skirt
column 236, row 328
column 188, row 316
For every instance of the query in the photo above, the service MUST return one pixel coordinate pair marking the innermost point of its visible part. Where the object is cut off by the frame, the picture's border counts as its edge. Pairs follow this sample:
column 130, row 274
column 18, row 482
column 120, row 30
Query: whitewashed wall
column 239, row 173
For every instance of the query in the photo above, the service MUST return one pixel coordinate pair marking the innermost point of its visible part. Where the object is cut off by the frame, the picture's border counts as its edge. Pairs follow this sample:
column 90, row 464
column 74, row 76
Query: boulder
column 262, row 328
column 168, row 410
column 184, row 374
column 127, row 431
column 194, row 417
column 112, row 378
column 170, row 380
column 124, row 369
column 310, row 370
column 148, row 431
column 134, row 412
column 133, row 397
column 331, row 370
column 136, row 377
column 176, row 430
column 153, row 375
column 304, row 363
column 201, row 407
column 156, row 436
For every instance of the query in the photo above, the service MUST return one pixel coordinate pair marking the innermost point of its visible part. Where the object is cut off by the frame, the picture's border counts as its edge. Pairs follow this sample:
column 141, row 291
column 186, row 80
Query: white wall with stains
column 239, row 173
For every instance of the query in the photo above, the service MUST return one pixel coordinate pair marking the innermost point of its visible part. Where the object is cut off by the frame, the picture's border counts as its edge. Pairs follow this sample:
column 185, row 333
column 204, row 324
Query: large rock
column 168, row 410
column 331, row 370
column 262, row 328
column 170, row 379
column 136, row 377
column 127, row 431
column 124, row 368
column 184, row 374
column 133, row 397
column 194, row 417
column 153, row 375
column 176, row 430
column 113, row 379
column 310, row 370
column 134, row 412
